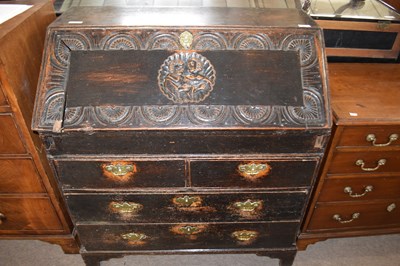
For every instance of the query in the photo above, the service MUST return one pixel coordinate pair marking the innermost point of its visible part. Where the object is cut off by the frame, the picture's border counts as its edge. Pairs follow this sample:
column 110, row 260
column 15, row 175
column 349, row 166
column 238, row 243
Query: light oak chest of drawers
column 358, row 193
column 173, row 136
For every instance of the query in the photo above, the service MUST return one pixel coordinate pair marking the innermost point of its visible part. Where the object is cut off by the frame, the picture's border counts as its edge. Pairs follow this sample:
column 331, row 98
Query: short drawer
column 191, row 207
column 27, row 214
column 10, row 141
column 365, row 162
column 338, row 216
column 253, row 174
column 370, row 136
column 187, row 236
column 19, row 176
column 355, row 189
column 120, row 174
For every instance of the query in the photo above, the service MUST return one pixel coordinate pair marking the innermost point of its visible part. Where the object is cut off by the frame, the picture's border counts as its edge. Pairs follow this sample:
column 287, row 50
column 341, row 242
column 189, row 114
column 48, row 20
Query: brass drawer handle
column 349, row 191
column 244, row 235
column 134, row 236
column 188, row 230
column 391, row 207
column 254, row 170
column 2, row 218
column 362, row 165
column 372, row 138
column 354, row 216
column 126, row 207
column 187, row 201
column 119, row 169
column 248, row 205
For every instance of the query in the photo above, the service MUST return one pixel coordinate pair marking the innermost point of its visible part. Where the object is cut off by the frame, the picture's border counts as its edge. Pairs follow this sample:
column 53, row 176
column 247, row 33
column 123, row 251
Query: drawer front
column 10, row 142
column 365, row 162
column 189, row 142
column 252, row 174
column 3, row 101
column 19, row 176
column 355, row 189
column 28, row 214
column 152, row 208
column 187, row 236
column 121, row 174
column 370, row 136
column 355, row 215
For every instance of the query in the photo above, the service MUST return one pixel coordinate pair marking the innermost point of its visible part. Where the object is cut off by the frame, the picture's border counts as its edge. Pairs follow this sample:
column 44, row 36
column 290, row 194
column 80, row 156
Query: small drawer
column 365, row 162
column 120, row 174
column 10, row 141
column 191, row 207
column 355, row 189
column 27, row 214
column 253, row 174
column 370, row 136
column 19, row 176
column 366, row 214
column 187, row 236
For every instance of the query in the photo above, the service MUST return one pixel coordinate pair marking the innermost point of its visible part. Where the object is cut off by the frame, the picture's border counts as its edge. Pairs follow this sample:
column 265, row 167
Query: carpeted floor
column 364, row 251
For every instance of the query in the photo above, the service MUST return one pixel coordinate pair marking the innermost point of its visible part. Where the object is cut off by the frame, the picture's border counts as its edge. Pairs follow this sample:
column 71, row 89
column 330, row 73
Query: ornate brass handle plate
column 119, row 169
column 248, row 205
column 254, row 170
column 2, row 217
column 187, row 201
column 126, row 207
column 134, row 236
column 361, row 163
column 372, row 138
column 244, row 235
column 349, row 191
column 188, row 230
column 391, row 207
column 354, row 216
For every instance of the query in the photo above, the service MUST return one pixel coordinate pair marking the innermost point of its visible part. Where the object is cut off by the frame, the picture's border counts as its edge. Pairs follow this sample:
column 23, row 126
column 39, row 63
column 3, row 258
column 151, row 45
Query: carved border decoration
column 187, row 109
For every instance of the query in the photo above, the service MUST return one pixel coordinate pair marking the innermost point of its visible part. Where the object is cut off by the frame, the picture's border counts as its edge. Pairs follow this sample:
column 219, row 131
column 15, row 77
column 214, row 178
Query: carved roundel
column 207, row 114
column 161, row 114
column 186, row 77
column 253, row 42
column 209, row 42
column 253, row 114
column 303, row 44
column 113, row 114
column 311, row 112
column 121, row 42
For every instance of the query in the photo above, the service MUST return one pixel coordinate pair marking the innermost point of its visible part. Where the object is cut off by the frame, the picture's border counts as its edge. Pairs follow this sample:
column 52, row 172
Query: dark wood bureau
column 176, row 131
column 359, row 193
column 30, row 202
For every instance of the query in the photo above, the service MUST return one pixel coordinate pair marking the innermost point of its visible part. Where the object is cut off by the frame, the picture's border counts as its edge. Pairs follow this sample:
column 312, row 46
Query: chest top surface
column 184, row 68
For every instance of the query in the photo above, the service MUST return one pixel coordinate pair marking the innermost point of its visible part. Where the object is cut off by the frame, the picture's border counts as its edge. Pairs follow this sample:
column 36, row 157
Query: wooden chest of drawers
column 359, row 193
column 180, row 131
column 30, row 205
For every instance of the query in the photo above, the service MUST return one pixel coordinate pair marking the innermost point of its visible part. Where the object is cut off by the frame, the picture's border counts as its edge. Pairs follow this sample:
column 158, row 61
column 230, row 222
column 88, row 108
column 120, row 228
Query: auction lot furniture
column 29, row 197
column 184, row 130
column 358, row 193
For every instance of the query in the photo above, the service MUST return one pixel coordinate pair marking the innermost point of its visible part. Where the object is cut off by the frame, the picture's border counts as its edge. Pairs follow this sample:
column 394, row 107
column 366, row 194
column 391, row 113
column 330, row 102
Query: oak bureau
column 187, row 130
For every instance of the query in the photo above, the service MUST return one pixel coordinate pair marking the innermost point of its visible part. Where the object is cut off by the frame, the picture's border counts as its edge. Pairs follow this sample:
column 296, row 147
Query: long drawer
column 188, row 142
column 28, row 215
column 356, row 189
column 368, row 162
column 364, row 214
column 124, row 237
column 191, row 207
column 370, row 136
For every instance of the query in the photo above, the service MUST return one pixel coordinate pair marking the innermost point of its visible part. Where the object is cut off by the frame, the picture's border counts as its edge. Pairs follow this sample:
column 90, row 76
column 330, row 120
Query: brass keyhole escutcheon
column 188, row 201
column 188, row 229
column 119, row 171
column 186, row 39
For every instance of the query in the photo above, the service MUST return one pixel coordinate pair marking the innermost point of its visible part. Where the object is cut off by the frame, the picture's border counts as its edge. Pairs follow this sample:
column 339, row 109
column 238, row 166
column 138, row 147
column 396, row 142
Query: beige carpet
column 363, row 251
